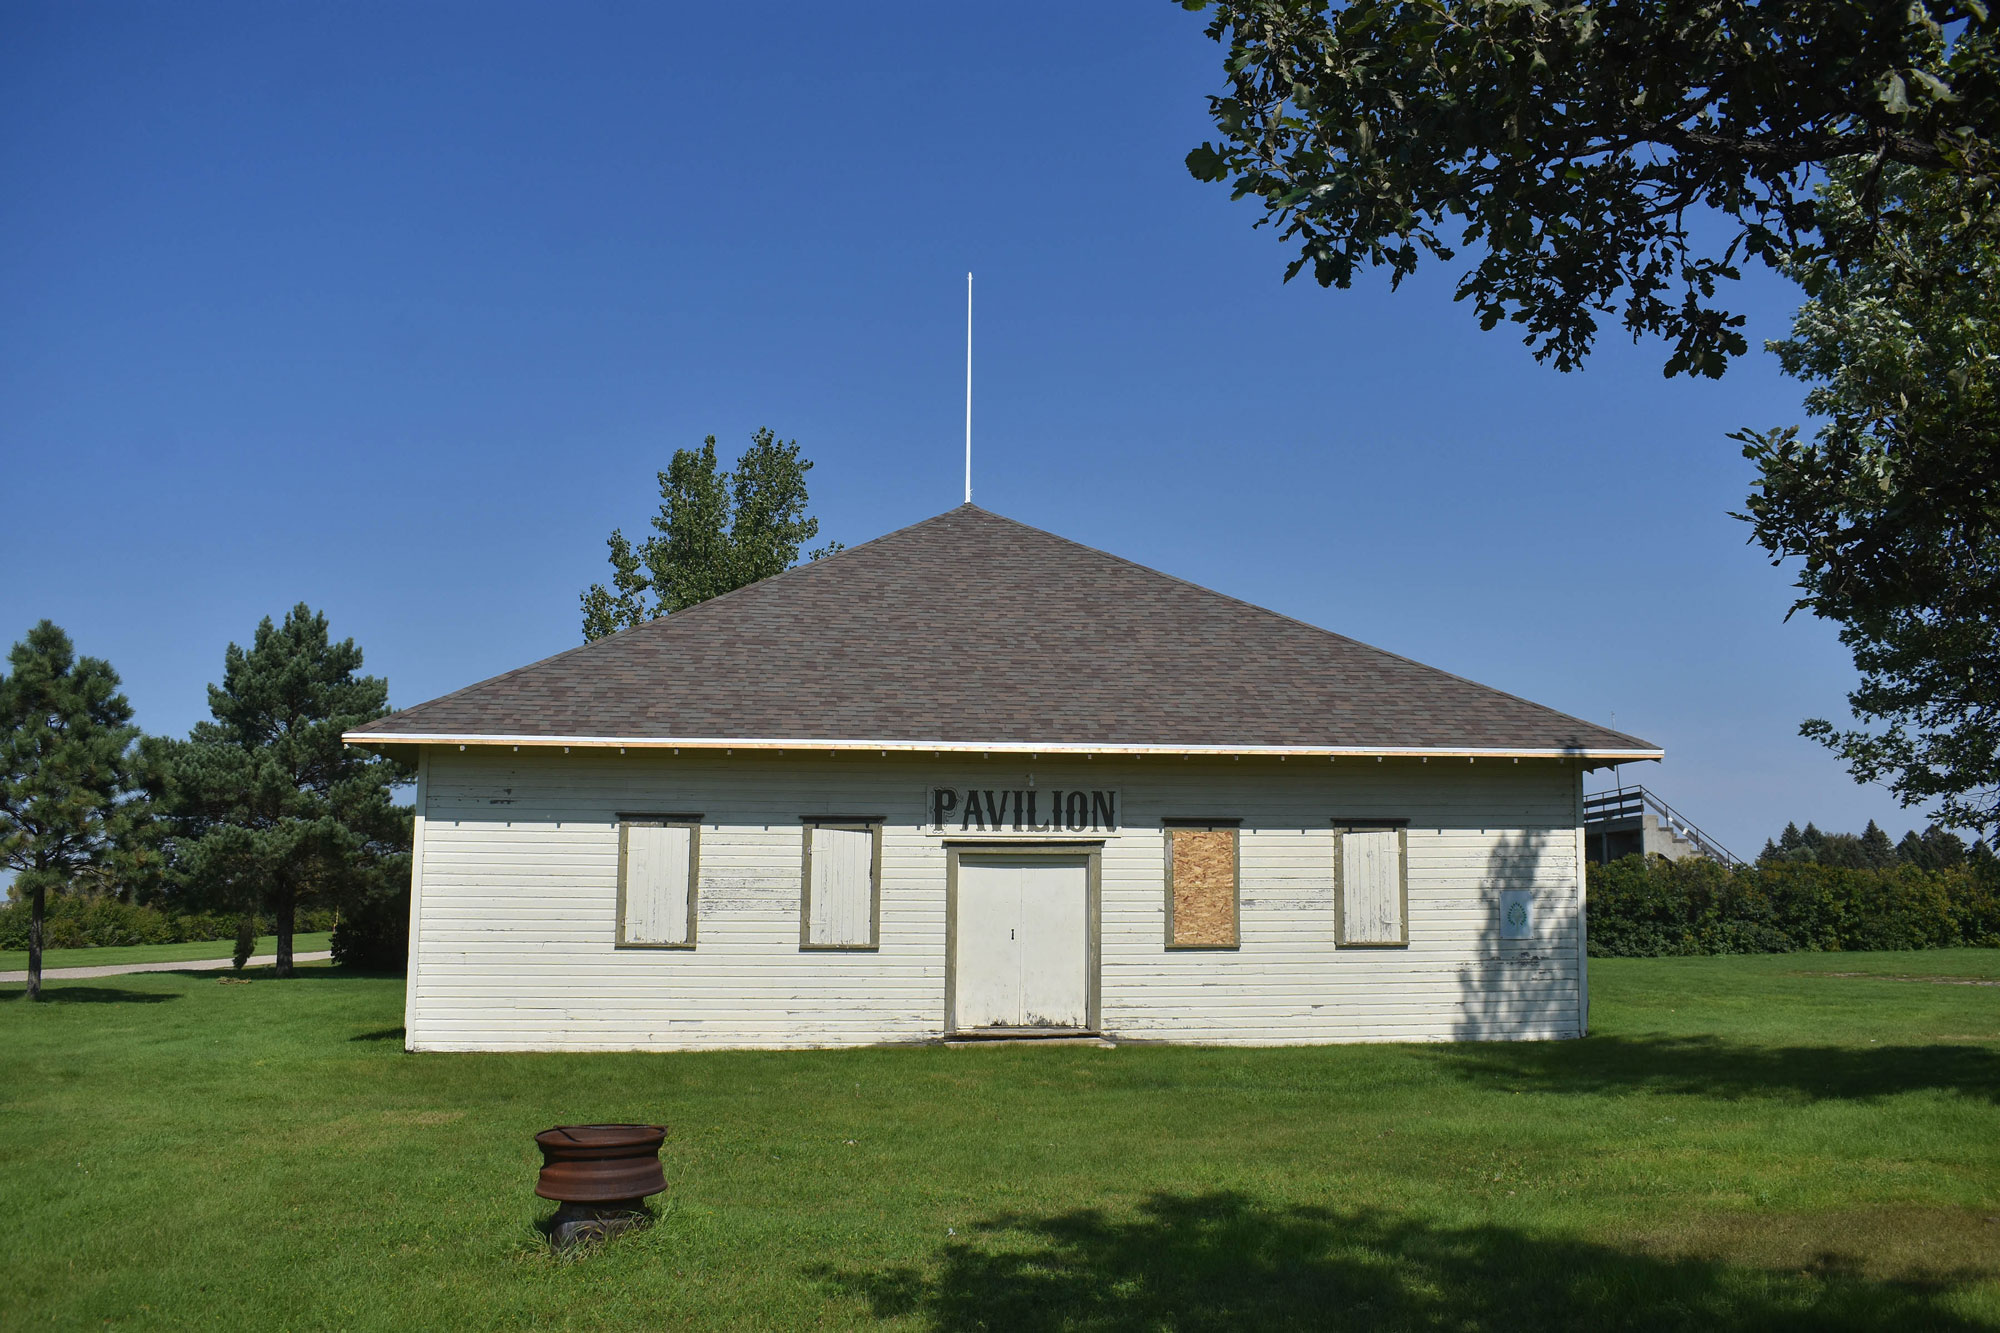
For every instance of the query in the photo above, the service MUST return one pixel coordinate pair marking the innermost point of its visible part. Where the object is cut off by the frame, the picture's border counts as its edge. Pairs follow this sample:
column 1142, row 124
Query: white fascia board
column 804, row 746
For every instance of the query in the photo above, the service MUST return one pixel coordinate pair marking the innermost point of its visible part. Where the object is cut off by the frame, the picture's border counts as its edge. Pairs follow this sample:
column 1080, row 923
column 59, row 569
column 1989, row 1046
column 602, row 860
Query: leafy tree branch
column 1570, row 141
column 1892, row 509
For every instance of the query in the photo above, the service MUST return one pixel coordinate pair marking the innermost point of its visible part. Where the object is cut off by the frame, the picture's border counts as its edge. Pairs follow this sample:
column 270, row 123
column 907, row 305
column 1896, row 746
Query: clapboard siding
column 513, row 946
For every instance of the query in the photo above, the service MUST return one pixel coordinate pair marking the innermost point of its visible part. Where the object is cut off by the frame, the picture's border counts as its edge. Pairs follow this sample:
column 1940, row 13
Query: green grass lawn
column 1795, row 1142
column 16, row 960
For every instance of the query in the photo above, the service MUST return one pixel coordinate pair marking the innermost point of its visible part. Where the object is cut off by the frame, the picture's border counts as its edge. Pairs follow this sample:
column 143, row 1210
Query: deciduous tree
column 1892, row 509
column 67, row 769
column 715, row 532
column 1587, row 153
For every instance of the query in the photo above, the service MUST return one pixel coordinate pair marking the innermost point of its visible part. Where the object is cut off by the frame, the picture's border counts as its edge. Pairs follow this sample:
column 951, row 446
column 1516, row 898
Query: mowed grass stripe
column 1744, row 1143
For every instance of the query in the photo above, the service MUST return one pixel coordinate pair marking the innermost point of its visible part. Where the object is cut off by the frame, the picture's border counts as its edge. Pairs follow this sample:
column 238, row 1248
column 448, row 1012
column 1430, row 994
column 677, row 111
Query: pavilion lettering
column 1023, row 810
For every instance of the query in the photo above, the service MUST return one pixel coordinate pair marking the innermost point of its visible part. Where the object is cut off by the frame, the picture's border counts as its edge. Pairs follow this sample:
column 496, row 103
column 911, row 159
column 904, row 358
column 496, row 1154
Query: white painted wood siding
column 842, row 896
column 513, row 942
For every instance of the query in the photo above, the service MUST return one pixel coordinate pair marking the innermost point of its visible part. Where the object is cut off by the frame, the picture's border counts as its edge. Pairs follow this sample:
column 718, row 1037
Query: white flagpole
column 968, row 388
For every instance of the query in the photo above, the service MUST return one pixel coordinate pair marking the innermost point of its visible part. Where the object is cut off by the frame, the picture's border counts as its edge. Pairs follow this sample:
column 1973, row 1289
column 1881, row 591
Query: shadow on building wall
column 1515, row 988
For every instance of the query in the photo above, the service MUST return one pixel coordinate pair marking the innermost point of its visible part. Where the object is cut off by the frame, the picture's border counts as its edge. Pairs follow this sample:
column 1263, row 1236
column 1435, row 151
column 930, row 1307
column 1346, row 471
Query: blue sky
column 397, row 309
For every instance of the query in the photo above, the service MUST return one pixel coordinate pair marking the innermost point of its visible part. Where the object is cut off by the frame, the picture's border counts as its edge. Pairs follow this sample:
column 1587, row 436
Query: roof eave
column 375, row 739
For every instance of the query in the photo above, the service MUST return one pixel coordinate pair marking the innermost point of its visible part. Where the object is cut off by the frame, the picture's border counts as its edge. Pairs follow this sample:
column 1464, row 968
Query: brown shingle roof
column 969, row 629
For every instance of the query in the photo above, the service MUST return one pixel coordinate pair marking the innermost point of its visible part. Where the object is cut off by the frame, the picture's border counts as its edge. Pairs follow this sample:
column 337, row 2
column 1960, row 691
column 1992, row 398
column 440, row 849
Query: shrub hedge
column 77, row 922
column 1652, row 907
column 1639, row 908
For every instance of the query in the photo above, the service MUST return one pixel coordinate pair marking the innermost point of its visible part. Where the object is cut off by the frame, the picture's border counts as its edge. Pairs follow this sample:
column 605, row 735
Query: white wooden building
column 971, row 778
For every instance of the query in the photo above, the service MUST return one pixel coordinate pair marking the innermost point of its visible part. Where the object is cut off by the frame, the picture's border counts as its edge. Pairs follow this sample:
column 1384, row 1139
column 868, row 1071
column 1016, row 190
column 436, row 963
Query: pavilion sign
column 1023, row 810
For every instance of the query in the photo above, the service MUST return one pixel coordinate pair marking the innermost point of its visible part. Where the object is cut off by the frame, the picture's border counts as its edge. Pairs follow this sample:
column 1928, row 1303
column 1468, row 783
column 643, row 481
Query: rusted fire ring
column 601, row 1163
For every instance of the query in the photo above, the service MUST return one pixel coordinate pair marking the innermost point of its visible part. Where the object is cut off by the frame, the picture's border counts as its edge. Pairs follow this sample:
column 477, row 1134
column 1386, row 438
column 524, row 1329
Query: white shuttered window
column 842, row 865
column 657, row 862
column 1372, row 899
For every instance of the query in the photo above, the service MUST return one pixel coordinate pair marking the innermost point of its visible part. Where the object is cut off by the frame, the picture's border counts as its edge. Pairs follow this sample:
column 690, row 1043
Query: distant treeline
column 1652, row 907
column 1933, row 849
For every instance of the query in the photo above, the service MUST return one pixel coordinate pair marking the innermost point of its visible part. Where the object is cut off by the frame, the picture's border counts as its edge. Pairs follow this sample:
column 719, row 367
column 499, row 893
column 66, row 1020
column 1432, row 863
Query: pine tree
column 269, row 810
column 1876, row 849
column 67, row 772
column 1812, row 838
column 1791, row 839
column 1910, row 851
column 1770, row 852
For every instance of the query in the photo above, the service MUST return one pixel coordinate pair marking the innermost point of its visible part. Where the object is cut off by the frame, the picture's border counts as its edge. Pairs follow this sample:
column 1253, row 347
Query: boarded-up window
column 657, row 861
column 843, row 864
column 1201, row 887
column 1371, row 897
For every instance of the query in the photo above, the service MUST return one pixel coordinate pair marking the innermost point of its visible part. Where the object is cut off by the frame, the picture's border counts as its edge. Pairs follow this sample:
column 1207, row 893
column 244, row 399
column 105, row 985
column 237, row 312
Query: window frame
column 692, row 823
column 869, row 824
column 1342, row 827
column 1231, row 826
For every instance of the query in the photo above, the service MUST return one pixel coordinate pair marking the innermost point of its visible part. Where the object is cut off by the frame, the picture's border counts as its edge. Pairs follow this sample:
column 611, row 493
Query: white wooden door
column 1022, row 958
column 1055, row 944
column 986, row 978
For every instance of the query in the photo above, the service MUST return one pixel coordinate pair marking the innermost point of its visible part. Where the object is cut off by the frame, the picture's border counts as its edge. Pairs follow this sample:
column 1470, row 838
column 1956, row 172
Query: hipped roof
column 972, row 631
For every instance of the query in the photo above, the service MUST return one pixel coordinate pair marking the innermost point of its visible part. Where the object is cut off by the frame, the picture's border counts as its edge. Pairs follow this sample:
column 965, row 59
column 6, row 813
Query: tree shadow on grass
column 58, row 993
column 1220, row 1262
column 319, row 971
column 1712, row 1067
column 383, row 1034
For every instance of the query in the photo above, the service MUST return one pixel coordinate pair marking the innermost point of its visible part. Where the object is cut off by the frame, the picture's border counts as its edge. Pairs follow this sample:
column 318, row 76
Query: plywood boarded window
column 841, row 899
column 1201, row 885
column 1371, row 886
column 658, row 858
